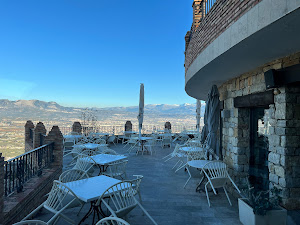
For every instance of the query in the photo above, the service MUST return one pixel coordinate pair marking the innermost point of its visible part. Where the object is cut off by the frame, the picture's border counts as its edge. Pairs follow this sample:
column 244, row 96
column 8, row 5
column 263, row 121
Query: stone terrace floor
column 163, row 195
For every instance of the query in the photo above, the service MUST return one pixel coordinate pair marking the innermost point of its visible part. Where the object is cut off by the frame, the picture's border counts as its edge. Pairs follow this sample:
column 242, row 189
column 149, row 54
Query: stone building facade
column 250, row 50
column 281, row 128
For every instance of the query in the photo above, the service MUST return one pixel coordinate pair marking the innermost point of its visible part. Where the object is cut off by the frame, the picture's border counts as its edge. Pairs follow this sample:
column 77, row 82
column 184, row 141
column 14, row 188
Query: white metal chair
column 68, row 145
column 72, row 175
column 217, row 175
column 191, row 155
column 31, row 222
column 85, row 163
column 59, row 199
column 99, row 141
column 109, row 151
column 112, row 221
column 116, row 169
column 121, row 197
column 111, row 139
column 150, row 145
column 166, row 140
column 136, row 185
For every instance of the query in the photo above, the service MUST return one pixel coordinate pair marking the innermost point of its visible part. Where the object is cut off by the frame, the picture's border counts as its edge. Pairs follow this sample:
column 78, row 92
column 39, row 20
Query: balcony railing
column 208, row 5
column 23, row 167
column 119, row 129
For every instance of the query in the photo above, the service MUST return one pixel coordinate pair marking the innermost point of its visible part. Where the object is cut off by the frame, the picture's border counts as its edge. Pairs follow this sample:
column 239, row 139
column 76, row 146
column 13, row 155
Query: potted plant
column 261, row 207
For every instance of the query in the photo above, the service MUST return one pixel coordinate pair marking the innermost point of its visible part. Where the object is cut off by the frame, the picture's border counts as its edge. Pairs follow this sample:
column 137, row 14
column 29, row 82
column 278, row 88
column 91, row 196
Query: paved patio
column 163, row 195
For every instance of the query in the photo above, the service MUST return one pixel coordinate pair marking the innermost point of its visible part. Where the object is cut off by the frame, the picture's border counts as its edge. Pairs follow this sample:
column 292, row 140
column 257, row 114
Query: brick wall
column 220, row 17
column 283, row 132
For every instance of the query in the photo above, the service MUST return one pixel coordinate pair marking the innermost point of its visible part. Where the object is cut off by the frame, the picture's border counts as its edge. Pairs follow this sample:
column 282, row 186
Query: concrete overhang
column 270, row 30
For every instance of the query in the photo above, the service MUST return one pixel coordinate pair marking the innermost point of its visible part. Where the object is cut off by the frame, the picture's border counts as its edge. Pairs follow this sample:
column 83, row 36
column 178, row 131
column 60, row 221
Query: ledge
column 268, row 31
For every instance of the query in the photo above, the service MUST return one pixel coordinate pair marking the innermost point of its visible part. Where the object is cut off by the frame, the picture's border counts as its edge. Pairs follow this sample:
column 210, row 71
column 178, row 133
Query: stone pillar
column 56, row 136
column 77, row 127
column 1, row 187
column 29, row 135
column 168, row 126
column 128, row 126
column 284, row 157
column 39, row 129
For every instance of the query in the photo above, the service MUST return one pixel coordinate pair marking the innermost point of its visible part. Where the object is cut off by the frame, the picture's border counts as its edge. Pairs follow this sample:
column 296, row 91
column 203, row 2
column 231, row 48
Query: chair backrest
column 136, row 183
column 216, row 172
column 111, row 138
column 84, row 162
column 31, row 222
column 100, row 141
column 59, row 197
column 196, row 155
column 72, row 175
column 117, row 168
column 109, row 151
column 119, row 199
column 112, row 221
column 90, row 152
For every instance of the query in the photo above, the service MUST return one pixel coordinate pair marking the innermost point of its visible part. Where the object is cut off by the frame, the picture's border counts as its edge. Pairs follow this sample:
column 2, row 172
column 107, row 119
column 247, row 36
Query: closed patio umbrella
column 204, row 129
column 141, row 109
column 213, row 119
column 198, row 116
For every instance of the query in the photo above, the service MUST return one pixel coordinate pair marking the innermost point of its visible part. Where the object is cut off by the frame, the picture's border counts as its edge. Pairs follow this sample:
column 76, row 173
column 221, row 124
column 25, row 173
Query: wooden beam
column 262, row 99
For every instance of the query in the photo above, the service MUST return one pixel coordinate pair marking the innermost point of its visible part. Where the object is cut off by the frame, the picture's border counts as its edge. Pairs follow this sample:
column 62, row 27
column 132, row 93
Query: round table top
column 198, row 163
column 72, row 136
column 91, row 145
column 191, row 149
column 101, row 134
column 143, row 138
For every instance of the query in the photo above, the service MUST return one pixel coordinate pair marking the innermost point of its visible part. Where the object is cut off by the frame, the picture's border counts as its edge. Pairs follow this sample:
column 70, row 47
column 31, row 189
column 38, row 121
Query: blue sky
column 94, row 53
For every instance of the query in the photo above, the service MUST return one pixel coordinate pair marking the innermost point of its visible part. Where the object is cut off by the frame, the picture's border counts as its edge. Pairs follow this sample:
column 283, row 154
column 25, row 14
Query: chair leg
column 188, row 178
column 207, row 194
column 176, row 164
column 80, row 209
column 144, row 210
column 227, row 195
column 181, row 167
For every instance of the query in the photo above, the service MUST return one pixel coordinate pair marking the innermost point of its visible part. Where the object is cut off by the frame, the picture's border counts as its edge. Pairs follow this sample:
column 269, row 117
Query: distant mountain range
column 24, row 109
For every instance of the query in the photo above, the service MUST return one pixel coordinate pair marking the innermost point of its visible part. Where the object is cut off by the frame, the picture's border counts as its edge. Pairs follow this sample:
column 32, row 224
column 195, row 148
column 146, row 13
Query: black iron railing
column 208, row 5
column 23, row 167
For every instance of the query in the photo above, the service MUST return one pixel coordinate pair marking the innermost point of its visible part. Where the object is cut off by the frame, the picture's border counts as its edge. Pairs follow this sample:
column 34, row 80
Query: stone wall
column 29, row 136
column 283, row 130
column 76, row 127
column 15, row 207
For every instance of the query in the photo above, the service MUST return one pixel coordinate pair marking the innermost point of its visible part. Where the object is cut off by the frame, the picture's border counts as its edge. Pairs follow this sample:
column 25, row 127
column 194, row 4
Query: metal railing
column 23, row 167
column 119, row 129
column 208, row 5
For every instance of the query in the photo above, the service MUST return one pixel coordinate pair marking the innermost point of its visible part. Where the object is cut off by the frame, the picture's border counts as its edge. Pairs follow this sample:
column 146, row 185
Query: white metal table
column 104, row 159
column 73, row 137
column 90, row 146
column 142, row 141
column 90, row 190
column 187, row 151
